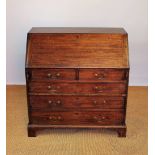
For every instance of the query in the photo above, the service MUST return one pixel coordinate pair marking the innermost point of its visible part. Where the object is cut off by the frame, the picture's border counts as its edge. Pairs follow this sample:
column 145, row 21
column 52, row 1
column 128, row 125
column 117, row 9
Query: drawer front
column 102, row 74
column 53, row 74
column 77, row 118
column 78, row 88
column 62, row 102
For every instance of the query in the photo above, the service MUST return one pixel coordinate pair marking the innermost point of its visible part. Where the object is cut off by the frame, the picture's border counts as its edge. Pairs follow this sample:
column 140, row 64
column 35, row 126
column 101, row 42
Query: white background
column 130, row 14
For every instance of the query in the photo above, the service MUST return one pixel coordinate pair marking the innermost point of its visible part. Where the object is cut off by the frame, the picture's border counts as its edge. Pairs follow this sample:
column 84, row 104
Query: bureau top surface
column 77, row 48
column 77, row 30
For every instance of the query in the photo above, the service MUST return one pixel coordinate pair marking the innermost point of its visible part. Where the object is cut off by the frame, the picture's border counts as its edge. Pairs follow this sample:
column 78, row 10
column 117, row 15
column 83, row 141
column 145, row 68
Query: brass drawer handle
column 95, row 102
column 96, row 88
column 50, row 102
column 59, row 118
column 53, row 88
column 99, row 88
column 99, row 76
column 96, row 75
column 58, row 102
column 55, row 118
column 104, row 101
column 103, row 118
column 49, row 87
column 49, row 75
column 50, row 117
column 95, row 117
column 57, row 74
column 54, row 103
column 99, row 118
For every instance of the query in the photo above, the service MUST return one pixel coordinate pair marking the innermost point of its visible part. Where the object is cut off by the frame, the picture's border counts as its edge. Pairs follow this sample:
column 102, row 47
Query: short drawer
column 53, row 74
column 68, row 102
column 77, row 88
column 77, row 118
column 103, row 74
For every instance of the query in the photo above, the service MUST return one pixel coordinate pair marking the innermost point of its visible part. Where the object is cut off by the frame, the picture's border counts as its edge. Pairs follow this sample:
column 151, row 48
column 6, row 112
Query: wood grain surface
column 82, row 62
column 99, row 50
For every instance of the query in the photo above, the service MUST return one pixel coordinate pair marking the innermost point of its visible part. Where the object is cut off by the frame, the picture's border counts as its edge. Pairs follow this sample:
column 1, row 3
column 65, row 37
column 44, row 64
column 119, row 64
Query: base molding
column 33, row 128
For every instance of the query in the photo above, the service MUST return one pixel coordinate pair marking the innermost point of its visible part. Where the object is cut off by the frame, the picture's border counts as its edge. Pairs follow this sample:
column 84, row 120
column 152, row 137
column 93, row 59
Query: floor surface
column 76, row 141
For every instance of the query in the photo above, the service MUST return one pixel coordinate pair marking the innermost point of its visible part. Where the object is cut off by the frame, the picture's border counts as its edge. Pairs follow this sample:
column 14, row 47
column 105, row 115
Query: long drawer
column 78, row 118
column 70, row 88
column 61, row 102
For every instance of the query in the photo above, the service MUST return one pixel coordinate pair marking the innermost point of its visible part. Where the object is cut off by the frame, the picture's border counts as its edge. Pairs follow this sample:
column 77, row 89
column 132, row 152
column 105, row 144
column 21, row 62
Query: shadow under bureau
column 77, row 78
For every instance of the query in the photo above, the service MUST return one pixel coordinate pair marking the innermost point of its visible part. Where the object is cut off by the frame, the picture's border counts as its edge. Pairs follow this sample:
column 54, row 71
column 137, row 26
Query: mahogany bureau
column 77, row 78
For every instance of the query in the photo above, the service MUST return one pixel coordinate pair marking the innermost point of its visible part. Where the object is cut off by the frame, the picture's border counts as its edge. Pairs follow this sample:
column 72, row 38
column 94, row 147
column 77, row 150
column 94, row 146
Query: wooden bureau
column 77, row 78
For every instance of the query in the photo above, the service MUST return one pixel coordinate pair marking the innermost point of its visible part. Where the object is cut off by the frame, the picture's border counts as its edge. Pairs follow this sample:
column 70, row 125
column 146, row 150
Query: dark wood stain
column 77, row 77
